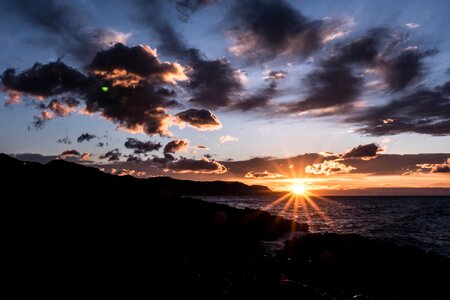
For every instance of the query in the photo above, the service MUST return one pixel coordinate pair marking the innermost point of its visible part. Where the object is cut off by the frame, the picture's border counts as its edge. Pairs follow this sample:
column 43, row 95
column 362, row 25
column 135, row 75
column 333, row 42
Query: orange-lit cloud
column 85, row 156
column 329, row 167
column 263, row 175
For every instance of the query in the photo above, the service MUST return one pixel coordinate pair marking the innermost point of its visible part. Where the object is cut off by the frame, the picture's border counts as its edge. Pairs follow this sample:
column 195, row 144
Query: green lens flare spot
column 105, row 89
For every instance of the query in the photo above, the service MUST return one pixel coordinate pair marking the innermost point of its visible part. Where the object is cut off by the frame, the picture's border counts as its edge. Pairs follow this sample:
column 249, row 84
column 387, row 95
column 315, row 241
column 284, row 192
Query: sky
column 335, row 95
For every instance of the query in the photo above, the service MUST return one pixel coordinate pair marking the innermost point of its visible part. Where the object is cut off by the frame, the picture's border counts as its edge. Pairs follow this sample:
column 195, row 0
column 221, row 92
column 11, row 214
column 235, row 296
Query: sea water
column 410, row 221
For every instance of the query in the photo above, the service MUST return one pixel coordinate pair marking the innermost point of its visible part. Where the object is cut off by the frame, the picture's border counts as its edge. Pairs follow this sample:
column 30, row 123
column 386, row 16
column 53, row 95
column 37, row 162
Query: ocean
column 423, row 222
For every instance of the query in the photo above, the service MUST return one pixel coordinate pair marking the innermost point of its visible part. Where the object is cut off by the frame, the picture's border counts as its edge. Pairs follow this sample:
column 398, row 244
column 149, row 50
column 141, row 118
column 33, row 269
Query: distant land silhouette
column 74, row 231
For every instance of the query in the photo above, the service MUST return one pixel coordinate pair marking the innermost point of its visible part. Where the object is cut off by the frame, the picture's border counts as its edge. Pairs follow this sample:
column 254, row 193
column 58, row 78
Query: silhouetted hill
column 165, row 186
column 168, row 185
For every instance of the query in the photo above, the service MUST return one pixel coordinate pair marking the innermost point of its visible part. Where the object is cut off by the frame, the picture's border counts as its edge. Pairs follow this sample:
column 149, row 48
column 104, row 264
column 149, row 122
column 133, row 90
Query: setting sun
column 298, row 189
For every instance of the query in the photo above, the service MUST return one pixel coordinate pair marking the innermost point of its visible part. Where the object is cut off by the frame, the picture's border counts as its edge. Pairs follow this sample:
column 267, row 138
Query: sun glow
column 298, row 189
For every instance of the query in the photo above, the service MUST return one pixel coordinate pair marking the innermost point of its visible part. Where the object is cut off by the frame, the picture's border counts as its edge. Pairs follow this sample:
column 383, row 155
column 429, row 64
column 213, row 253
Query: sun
column 298, row 189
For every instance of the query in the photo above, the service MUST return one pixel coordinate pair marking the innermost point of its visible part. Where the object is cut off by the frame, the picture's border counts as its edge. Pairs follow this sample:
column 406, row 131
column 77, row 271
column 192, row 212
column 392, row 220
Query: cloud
column 329, row 167
column 139, row 60
column 47, row 80
column 152, row 15
column 328, row 87
column 259, row 100
column 136, row 108
column 55, row 108
column 263, row 30
column 61, row 108
column 186, row 8
column 213, row 83
column 227, row 138
column 176, row 146
column 85, row 137
column 203, row 166
column 436, row 168
column 263, row 98
column 365, row 152
column 338, row 81
column 200, row 119
column 65, row 140
column 263, row 175
column 140, row 147
column 85, row 156
column 412, row 25
column 276, row 75
column 100, row 144
column 425, row 111
column 201, row 147
column 65, row 27
column 69, row 153
column 112, row 155
column 332, row 165
column 128, row 172
column 404, row 69
column 133, row 158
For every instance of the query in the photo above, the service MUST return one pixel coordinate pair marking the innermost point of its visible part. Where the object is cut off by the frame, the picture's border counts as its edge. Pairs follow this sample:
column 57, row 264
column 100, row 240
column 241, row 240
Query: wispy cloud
column 227, row 138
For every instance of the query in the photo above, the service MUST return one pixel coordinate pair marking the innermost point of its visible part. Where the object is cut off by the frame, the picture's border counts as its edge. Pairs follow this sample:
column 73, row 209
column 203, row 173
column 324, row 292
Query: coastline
column 125, row 241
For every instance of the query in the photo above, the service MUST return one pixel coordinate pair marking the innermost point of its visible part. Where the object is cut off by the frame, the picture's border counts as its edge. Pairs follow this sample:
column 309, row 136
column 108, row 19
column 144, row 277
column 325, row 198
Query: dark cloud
column 152, row 15
column 213, row 83
column 186, row 8
column 363, row 50
column 367, row 151
column 423, row 111
column 404, row 69
column 140, row 147
column 201, row 119
column 263, row 175
column 137, row 109
column 100, row 144
column 136, row 104
column 65, row 27
column 328, row 87
column 276, row 75
column 385, row 51
column 261, row 99
column 257, row 101
column 203, row 166
column 64, row 140
column 175, row 146
column 47, row 80
column 338, row 81
column 139, row 60
column 133, row 158
column 70, row 153
column 85, row 137
column 265, row 29
column 200, row 147
column 162, row 161
column 112, row 155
